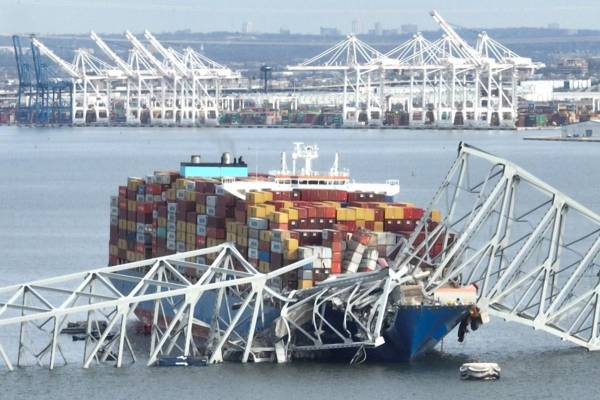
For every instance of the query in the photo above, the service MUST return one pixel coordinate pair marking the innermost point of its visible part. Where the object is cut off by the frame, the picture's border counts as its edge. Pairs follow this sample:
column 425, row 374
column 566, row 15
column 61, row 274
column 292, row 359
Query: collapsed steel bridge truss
column 531, row 250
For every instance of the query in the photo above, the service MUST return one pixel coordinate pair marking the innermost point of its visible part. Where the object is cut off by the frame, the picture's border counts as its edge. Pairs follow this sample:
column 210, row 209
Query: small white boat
column 479, row 371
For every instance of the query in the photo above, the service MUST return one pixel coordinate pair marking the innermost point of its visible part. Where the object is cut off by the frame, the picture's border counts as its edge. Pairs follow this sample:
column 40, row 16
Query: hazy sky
column 74, row 16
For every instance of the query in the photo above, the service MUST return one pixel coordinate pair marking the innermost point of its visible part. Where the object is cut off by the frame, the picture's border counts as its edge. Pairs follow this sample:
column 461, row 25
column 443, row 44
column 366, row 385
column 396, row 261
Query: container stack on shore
column 346, row 232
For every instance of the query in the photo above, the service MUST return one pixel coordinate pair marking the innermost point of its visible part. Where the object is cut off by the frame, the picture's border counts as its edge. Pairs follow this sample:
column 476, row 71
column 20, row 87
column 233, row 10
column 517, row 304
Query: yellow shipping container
column 242, row 230
column 255, row 197
column 360, row 223
column 436, row 215
column 190, row 239
column 131, row 205
column 210, row 242
column 264, row 266
column 190, row 196
column 181, row 226
column 358, row 213
column 292, row 213
column 268, row 196
column 279, row 217
column 369, row 214
column 113, row 250
column 190, row 228
column 394, row 212
column 269, row 208
column 265, row 236
column 257, row 212
column 180, row 236
column 200, row 208
column 305, row 283
column 378, row 226
column 290, row 244
column 131, row 226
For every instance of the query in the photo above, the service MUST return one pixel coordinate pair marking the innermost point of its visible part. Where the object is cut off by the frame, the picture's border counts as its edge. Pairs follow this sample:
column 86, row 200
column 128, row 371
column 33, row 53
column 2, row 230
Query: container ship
column 275, row 219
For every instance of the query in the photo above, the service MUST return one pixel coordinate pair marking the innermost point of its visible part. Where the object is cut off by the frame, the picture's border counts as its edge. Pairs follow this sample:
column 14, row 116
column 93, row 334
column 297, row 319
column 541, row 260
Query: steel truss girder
column 532, row 250
column 49, row 303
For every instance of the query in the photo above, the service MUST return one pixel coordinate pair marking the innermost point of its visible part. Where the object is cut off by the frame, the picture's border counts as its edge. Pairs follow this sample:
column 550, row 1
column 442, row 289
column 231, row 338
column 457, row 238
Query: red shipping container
column 302, row 212
column 201, row 198
column 282, row 195
column 154, row 189
column 240, row 216
column 379, row 214
column 192, row 217
column 336, row 267
column 145, row 207
column 200, row 241
column 122, row 191
column 332, row 235
column 276, row 260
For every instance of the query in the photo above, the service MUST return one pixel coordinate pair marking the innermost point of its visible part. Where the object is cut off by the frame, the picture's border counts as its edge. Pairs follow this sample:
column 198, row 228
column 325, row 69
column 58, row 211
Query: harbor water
column 54, row 214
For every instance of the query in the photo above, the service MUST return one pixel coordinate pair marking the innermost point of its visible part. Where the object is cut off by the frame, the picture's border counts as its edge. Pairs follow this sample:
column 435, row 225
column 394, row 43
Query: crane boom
column 147, row 54
column 455, row 37
column 165, row 53
column 68, row 67
column 111, row 54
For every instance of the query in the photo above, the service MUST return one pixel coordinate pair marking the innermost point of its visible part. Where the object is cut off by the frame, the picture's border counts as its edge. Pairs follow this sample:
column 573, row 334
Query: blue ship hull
column 414, row 331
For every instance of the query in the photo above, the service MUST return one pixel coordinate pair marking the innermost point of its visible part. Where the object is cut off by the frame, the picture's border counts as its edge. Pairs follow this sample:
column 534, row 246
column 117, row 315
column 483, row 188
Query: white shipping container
column 114, row 201
column 201, row 219
column 200, row 230
column 211, row 201
column 258, row 223
column 172, row 207
column 140, row 197
column 172, row 226
column 180, row 194
column 276, row 247
column 211, row 211
column 252, row 253
column 171, row 245
column 253, row 243
column 172, row 236
column 180, row 247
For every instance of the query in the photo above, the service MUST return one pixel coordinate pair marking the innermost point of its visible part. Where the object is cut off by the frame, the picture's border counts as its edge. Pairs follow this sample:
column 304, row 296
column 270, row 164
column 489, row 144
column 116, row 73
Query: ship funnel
column 196, row 159
column 226, row 158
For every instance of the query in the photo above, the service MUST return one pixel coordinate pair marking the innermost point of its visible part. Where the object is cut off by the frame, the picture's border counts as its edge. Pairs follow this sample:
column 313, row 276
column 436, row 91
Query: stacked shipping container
column 345, row 231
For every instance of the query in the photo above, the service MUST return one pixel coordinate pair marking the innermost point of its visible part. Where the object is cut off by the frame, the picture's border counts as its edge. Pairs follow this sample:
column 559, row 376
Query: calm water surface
column 54, row 213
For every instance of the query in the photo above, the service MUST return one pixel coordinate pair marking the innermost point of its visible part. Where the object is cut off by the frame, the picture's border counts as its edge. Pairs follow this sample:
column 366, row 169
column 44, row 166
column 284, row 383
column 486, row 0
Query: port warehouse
column 438, row 83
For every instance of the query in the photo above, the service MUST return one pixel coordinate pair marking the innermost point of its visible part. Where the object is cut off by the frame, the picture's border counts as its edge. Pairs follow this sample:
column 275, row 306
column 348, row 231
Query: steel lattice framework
column 164, row 89
column 532, row 250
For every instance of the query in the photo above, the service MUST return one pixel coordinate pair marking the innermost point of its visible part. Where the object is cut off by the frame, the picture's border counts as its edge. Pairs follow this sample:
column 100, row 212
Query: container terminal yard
column 444, row 83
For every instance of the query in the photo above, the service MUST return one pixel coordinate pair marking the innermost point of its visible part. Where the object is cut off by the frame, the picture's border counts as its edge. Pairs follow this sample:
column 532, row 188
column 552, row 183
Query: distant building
column 377, row 28
column 409, row 28
column 390, row 32
column 355, row 26
column 554, row 26
column 247, row 27
column 284, row 31
column 594, row 65
column 589, row 128
column 573, row 66
column 326, row 31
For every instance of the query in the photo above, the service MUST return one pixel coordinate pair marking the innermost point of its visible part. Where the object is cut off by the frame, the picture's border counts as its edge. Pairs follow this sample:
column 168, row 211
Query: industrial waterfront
column 55, row 211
